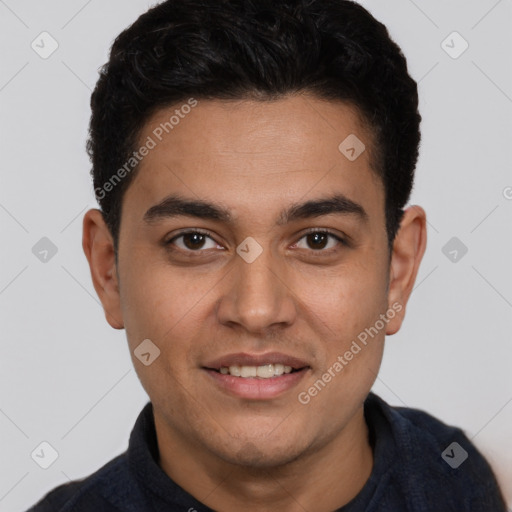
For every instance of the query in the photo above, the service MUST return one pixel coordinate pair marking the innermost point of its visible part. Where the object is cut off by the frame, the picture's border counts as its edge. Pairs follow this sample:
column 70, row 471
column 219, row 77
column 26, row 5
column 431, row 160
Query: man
column 252, row 160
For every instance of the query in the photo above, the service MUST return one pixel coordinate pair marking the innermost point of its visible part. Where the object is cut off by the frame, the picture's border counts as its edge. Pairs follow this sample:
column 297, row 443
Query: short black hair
column 253, row 49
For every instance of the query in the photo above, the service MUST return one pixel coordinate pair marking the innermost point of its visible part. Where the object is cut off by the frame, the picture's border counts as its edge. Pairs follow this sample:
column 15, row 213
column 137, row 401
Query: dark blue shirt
column 420, row 465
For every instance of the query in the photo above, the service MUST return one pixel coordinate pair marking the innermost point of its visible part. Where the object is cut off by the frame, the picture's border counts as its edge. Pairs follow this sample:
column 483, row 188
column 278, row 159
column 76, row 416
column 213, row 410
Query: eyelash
column 311, row 231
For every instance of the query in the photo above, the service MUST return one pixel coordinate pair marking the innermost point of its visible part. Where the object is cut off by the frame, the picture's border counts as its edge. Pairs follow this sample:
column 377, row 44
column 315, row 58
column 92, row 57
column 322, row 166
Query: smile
column 266, row 371
column 256, row 377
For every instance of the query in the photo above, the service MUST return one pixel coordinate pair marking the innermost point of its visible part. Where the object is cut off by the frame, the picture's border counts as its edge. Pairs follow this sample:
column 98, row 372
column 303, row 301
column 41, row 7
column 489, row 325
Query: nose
column 257, row 296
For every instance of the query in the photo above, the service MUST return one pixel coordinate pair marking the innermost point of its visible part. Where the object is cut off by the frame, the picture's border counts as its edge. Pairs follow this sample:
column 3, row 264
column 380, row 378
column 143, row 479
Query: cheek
column 346, row 301
column 165, row 306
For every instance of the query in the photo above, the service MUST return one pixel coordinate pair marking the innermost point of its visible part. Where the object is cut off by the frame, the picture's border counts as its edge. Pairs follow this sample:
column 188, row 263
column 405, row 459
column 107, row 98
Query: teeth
column 248, row 371
column 265, row 371
column 235, row 371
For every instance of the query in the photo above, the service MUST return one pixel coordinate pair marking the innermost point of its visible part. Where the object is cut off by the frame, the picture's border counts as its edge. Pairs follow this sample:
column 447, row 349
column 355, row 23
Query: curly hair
column 258, row 49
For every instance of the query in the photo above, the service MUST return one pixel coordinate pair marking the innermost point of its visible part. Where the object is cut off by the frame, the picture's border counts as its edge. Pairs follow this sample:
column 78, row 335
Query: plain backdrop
column 66, row 377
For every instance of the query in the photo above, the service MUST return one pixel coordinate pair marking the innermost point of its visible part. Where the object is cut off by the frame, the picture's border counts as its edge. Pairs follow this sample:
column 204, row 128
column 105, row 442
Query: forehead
column 249, row 153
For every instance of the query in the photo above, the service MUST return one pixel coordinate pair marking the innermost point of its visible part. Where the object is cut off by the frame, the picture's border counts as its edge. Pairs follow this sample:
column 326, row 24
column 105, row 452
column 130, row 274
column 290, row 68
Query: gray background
column 66, row 377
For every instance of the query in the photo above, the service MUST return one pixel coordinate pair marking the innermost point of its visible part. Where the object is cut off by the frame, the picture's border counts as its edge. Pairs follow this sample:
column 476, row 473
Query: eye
column 193, row 241
column 319, row 241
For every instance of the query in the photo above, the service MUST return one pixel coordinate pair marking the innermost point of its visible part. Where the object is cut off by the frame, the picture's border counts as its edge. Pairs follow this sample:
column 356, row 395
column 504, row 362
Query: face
column 253, row 253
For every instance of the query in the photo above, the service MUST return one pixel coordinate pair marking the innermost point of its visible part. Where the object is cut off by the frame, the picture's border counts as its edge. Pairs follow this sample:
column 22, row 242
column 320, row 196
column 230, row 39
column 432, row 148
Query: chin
column 260, row 454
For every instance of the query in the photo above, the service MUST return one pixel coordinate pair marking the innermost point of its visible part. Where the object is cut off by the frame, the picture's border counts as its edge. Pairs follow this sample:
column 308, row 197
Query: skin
column 256, row 159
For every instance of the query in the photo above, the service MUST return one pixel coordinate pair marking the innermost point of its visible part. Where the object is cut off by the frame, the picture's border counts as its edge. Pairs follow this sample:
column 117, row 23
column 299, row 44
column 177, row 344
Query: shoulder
column 439, row 461
column 105, row 490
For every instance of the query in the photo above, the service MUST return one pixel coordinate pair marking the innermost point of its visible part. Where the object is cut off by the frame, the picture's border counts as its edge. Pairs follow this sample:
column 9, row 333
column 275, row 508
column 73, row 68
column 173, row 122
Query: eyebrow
column 176, row 206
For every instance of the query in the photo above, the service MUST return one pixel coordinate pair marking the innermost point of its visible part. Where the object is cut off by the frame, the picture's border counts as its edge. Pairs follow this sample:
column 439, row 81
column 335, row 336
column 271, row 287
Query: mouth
column 257, row 377
column 265, row 371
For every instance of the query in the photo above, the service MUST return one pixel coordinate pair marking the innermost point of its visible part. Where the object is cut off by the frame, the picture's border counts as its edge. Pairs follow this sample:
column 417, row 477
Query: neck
column 324, row 479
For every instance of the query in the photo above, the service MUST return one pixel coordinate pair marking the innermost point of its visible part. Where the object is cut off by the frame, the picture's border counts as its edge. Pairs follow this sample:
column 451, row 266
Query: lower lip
column 257, row 389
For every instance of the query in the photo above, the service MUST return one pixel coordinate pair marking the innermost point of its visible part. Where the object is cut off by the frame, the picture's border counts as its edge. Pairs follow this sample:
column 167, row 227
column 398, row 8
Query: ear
column 98, row 246
column 408, row 249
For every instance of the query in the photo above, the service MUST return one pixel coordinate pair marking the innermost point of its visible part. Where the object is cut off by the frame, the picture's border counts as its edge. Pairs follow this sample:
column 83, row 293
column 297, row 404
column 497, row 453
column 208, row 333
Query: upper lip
column 245, row 359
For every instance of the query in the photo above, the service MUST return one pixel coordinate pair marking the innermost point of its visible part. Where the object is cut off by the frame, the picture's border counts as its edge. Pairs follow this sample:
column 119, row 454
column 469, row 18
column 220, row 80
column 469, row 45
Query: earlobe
column 98, row 247
column 408, row 249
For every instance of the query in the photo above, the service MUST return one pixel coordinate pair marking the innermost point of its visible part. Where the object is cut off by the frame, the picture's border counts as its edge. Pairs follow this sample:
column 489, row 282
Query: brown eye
column 319, row 241
column 193, row 241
